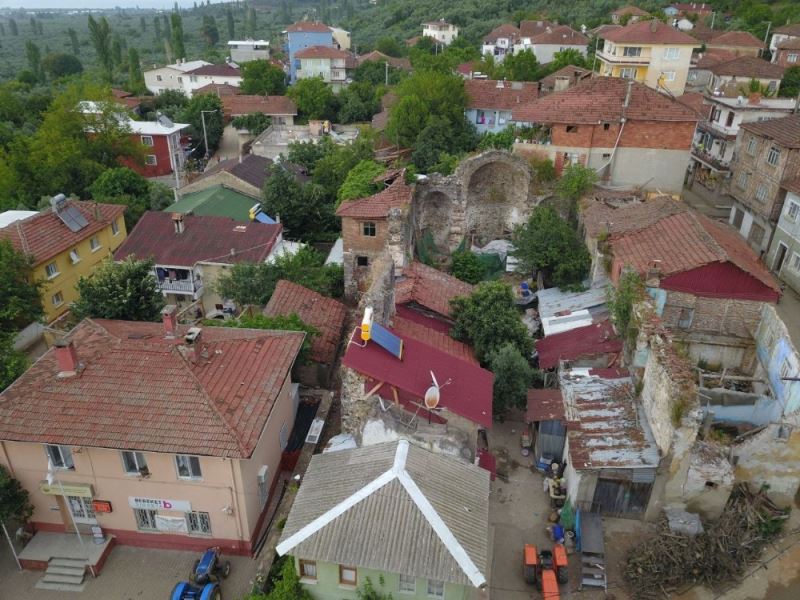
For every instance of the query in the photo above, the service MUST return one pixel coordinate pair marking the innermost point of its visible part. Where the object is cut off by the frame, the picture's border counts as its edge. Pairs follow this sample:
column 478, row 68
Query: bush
column 512, row 378
column 467, row 266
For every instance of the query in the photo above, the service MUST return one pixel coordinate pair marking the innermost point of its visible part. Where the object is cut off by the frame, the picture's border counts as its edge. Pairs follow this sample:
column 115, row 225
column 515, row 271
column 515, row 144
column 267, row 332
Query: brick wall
column 782, row 58
column 739, row 318
column 356, row 242
column 637, row 134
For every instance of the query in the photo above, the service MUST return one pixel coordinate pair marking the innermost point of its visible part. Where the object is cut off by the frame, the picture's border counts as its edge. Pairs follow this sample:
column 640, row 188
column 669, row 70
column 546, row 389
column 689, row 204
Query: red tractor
column 546, row 569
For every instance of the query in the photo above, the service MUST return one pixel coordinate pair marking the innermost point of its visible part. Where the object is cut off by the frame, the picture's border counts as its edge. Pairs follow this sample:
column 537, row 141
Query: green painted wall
column 327, row 585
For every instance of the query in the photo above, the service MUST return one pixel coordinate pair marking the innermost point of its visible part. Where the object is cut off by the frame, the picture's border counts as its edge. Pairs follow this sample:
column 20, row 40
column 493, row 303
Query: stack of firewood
column 671, row 562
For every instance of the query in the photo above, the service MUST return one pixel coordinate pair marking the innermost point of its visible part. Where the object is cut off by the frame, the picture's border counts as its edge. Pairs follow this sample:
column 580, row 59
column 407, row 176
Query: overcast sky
column 63, row 4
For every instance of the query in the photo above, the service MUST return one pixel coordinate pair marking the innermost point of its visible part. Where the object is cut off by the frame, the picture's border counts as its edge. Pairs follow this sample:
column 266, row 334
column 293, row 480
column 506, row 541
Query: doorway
column 780, row 256
column 81, row 509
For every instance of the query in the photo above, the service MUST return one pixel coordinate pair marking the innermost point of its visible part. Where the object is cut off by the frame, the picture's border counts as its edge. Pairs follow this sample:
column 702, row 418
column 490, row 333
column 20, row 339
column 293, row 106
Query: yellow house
column 67, row 242
column 650, row 52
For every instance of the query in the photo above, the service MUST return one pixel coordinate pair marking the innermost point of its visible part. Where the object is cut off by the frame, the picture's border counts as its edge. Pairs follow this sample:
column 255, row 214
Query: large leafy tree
column 790, row 84
column 376, row 71
column 512, row 378
column 20, row 303
column 176, row 36
column 548, row 243
column 305, row 211
column 34, row 56
column 135, row 76
column 15, row 504
column 262, row 78
column 122, row 185
column 125, row 290
column 59, row 64
column 251, row 283
column 209, row 31
column 100, row 36
column 195, row 112
column 522, row 66
column 489, row 319
column 360, row 181
column 314, row 98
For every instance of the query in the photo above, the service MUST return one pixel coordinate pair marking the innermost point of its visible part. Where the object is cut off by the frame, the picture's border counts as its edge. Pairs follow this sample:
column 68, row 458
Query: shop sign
column 66, row 489
column 159, row 504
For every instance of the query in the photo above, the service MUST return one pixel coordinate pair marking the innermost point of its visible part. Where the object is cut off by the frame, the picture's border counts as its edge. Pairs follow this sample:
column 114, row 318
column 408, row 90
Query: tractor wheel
column 226, row 569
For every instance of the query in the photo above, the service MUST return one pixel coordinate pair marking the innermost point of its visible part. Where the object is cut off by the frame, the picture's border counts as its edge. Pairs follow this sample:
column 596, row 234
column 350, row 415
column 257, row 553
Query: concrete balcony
column 181, row 286
column 714, row 162
column 617, row 58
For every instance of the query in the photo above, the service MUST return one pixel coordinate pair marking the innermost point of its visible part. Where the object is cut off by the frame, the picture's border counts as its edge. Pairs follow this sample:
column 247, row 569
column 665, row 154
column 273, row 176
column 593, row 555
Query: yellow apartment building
column 67, row 242
column 650, row 52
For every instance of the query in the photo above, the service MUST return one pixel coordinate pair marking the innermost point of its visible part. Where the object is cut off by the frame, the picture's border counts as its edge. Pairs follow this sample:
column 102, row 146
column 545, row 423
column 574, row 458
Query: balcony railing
column 712, row 161
column 180, row 286
column 619, row 59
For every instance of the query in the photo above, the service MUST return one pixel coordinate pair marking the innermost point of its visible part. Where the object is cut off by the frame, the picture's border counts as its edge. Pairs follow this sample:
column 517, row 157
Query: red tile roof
column 693, row 8
column 499, row 95
column 561, row 34
column 696, row 102
column 742, row 39
column 649, row 32
column 376, row 56
column 219, row 89
column 44, row 236
column 714, row 57
column 592, row 340
column 436, row 339
column 544, row 405
column 703, row 32
column 308, row 26
column 378, row 205
column 234, row 106
column 250, row 168
column 603, row 99
column 325, row 314
column 631, row 10
column 792, row 185
column 469, row 393
column 571, row 72
column 792, row 30
column 506, row 30
column 528, row 29
column 748, row 67
column 138, row 390
column 686, row 241
column 224, row 70
column 785, row 131
column 430, row 288
column 204, row 239
column 599, row 217
column 792, row 43
column 322, row 52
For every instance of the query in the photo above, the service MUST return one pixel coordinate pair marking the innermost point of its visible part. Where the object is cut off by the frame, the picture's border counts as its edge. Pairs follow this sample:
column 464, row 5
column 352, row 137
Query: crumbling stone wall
column 721, row 316
column 483, row 200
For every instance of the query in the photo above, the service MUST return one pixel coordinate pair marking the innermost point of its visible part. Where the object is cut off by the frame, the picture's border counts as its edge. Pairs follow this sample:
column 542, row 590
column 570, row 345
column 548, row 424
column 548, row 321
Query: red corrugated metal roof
column 544, row 405
column 469, row 393
column 592, row 340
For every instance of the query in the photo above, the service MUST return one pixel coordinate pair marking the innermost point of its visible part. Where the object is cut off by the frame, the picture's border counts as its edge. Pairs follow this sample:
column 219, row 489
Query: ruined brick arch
column 483, row 200
column 496, row 195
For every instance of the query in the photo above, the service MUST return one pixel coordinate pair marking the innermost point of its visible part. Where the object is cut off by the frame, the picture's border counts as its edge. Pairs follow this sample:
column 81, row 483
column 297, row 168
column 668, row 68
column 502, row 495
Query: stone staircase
column 64, row 575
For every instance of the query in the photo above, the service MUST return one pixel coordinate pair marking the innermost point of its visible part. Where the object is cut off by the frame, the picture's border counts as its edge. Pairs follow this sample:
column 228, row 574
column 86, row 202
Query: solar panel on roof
column 72, row 218
column 387, row 340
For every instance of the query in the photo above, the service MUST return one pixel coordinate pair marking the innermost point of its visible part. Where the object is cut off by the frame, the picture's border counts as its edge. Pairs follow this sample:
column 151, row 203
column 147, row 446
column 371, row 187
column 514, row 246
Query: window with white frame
column 741, row 181
column 792, row 209
column 407, row 584
column 147, row 140
column 774, row 156
column 74, row 256
column 51, row 270
column 145, row 519
column 198, row 523
column 796, row 262
column 58, row 299
column 672, row 53
column 631, row 51
column 94, row 243
column 669, row 75
column 628, row 73
column 134, row 463
column 308, row 569
column 761, row 192
column 435, row 588
column 188, row 466
column 752, row 144
column 60, row 456
column 150, row 160
column 791, row 58
column 114, row 227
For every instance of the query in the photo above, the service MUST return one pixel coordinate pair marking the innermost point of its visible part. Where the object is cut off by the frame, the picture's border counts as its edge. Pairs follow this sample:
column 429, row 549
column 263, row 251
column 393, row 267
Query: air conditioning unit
column 262, row 474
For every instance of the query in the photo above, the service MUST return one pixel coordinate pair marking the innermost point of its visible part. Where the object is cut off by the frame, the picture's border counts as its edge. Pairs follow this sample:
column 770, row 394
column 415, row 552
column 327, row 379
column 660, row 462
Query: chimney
column 193, row 340
column 177, row 220
column 66, row 358
column 169, row 316
column 628, row 95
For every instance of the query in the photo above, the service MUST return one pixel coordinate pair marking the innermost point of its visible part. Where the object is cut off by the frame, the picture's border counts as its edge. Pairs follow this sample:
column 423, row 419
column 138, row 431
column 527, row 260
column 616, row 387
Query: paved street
column 129, row 574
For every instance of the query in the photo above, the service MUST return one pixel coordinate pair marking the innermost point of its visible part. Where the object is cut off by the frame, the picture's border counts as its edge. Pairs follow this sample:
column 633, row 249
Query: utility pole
column 205, row 134
column 386, row 65
column 766, row 35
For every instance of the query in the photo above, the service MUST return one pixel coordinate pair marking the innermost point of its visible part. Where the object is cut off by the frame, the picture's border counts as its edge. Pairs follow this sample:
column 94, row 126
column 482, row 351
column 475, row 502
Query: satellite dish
column 432, row 394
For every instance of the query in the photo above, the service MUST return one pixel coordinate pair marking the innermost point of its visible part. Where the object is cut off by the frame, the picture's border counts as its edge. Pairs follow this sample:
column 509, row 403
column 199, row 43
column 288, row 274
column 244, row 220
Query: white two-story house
column 331, row 64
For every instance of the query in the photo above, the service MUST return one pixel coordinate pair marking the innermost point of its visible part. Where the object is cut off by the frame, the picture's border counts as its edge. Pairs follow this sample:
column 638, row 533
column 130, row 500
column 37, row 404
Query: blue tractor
column 206, row 577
